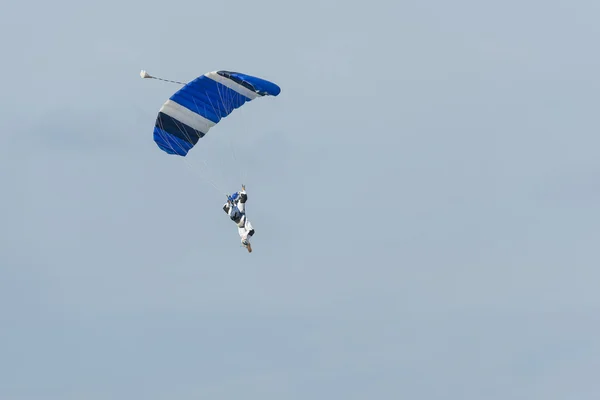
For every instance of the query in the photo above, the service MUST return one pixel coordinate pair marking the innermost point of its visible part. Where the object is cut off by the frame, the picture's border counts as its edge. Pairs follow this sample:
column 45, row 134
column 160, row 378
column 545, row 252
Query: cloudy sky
column 425, row 193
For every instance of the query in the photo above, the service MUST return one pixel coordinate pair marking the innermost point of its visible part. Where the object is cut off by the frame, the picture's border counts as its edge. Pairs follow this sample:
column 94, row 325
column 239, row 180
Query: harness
column 237, row 216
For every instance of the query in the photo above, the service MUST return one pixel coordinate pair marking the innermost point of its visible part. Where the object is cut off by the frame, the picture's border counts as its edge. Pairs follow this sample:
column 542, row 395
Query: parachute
column 188, row 115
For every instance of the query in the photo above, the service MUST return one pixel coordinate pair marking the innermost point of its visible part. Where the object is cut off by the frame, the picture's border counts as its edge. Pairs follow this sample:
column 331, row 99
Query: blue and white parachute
column 199, row 105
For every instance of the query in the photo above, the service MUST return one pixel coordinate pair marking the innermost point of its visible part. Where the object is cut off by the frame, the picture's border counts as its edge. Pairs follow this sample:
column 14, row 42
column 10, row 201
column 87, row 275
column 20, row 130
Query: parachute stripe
column 251, row 95
column 258, row 85
column 186, row 116
column 178, row 129
column 209, row 98
column 171, row 144
column 205, row 103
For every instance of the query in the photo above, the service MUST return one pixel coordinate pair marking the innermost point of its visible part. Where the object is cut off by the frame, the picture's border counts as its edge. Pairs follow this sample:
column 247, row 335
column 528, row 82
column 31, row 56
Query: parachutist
column 192, row 111
column 236, row 209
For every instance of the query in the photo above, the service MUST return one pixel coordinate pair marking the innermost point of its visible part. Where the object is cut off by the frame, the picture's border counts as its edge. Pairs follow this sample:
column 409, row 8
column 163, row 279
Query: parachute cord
column 189, row 164
column 167, row 80
column 241, row 167
column 235, row 158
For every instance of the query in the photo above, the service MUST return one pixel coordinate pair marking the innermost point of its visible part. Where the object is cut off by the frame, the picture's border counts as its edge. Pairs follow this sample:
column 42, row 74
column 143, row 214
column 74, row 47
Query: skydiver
column 236, row 209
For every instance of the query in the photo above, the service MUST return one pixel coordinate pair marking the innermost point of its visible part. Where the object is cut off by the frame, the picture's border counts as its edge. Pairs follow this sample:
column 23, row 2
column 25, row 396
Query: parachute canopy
column 198, row 106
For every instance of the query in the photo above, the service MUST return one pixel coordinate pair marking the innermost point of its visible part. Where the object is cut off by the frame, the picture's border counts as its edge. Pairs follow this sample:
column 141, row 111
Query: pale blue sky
column 424, row 190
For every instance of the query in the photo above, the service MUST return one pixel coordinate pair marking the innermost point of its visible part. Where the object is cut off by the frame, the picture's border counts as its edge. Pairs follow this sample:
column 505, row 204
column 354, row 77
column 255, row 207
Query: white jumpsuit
column 237, row 212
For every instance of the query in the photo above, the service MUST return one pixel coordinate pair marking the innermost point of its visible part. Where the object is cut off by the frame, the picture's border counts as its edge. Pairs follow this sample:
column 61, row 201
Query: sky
column 424, row 192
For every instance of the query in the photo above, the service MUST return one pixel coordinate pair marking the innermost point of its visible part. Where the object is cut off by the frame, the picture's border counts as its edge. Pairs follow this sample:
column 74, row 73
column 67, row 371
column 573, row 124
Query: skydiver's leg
column 245, row 228
column 242, row 232
column 249, row 228
column 245, row 238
